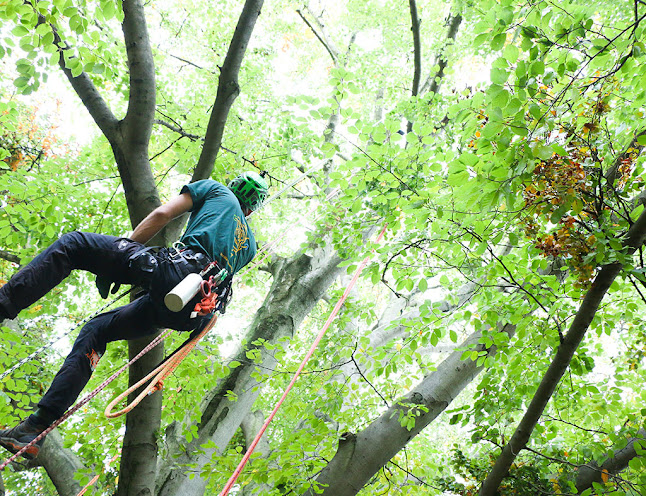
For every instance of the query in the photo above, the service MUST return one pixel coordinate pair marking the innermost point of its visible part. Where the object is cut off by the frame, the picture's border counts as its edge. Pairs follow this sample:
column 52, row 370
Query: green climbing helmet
column 250, row 188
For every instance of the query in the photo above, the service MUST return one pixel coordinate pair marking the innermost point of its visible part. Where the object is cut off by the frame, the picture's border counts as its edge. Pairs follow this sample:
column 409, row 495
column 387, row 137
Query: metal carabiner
column 175, row 251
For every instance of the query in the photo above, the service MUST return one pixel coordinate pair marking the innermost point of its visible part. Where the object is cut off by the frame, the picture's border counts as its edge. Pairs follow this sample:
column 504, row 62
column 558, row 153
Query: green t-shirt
column 217, row 225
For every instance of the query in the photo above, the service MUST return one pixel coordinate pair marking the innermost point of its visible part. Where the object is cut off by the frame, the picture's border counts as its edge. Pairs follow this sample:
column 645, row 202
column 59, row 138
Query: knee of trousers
column 72, row 241
column 90, row 345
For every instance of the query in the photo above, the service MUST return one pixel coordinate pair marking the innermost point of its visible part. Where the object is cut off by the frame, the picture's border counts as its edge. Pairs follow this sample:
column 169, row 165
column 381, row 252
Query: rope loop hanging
column 156, row 377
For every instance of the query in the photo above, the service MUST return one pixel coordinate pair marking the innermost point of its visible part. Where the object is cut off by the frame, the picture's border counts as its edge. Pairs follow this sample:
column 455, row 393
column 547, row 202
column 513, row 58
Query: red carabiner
column 206, row 288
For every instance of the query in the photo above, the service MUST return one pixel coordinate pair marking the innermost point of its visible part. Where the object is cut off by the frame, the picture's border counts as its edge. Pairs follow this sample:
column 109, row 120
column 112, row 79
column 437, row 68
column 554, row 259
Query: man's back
column 217, row 225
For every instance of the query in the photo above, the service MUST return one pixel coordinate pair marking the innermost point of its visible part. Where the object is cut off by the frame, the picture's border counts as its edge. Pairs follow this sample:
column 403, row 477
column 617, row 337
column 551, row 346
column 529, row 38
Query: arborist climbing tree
column 217, row 236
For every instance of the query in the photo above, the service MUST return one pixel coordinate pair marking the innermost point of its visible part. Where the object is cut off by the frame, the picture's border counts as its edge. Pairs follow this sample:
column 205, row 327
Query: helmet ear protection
column 250, row 189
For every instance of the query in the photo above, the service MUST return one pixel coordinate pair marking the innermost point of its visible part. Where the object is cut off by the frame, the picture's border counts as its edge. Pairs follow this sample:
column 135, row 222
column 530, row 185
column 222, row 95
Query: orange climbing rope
column 156, row 377
column 320, row 335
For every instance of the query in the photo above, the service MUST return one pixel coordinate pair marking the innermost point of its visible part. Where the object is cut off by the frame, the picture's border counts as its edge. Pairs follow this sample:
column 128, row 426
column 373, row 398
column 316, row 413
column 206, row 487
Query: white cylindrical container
column 184, row 292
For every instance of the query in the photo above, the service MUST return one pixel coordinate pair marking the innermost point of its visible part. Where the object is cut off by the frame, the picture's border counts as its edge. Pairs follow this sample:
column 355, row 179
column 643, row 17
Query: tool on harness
column 216, row 293
column 215, row 290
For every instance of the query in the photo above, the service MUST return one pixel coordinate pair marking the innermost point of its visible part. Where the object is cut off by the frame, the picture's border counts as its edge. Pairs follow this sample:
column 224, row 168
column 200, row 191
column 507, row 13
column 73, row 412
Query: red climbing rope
column 320, row 335
column 87, row 398
column 96, row 477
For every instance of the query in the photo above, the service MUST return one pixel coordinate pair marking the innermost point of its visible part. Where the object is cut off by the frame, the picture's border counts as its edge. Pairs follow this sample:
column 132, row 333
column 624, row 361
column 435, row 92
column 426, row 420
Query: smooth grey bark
column 298, row 285
column 592, row 472
column 250, row 426
column 582, row 320
column 60, row 463
column 360, row 456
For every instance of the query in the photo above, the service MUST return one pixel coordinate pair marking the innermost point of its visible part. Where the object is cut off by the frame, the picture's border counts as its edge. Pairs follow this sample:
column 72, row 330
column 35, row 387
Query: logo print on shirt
column 240, row 242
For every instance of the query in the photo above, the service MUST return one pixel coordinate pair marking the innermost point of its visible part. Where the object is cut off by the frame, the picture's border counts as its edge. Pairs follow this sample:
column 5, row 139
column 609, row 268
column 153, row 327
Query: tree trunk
column 360, row 456
column 298, row 286
column 582, row 320
column 60, row 463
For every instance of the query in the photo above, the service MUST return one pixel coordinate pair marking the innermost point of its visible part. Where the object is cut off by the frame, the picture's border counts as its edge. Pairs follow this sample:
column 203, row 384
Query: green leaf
column 108, row 10
column 21, row 82
column 20, row 31
column 480, row 39
column 537, row 68
column 511, row 53
column 499, row 76
column 543, row 152
column 498, row 41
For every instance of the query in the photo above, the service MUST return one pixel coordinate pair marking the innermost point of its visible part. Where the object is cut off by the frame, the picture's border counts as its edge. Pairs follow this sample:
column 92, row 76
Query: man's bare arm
column 162, row 215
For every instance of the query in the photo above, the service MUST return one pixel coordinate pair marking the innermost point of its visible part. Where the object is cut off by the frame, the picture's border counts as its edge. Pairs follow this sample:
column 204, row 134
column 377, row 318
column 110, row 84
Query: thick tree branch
column 417, row 47
column 362, row 455
column 228, row 88
column 60, row 463
column 592, row 472
column 582, row 320
column 141, row 68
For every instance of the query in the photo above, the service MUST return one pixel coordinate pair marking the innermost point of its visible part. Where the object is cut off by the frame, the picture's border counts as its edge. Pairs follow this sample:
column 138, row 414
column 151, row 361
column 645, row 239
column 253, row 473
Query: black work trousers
column 110, row 257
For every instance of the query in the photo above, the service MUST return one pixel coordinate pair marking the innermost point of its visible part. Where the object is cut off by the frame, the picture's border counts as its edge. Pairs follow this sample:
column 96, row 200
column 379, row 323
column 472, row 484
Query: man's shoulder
column 207, row 187
column 208, row 184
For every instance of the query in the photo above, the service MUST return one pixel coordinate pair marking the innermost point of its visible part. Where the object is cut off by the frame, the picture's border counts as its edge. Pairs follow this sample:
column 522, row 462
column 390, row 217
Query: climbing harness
column 216, row 291
column 215, row 288
column 309, row 354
